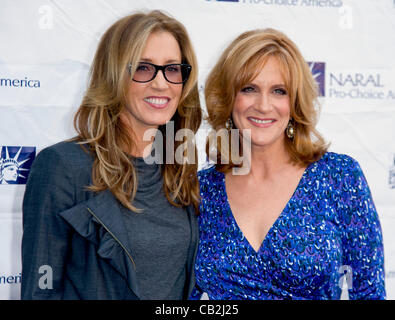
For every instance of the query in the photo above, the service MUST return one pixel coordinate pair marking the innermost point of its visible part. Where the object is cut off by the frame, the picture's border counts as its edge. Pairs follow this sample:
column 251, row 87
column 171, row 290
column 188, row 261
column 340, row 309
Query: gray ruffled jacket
column 77, row 235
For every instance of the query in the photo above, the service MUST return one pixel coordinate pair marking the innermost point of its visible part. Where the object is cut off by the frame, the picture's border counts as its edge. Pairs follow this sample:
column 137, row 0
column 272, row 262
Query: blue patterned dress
column 328, row 232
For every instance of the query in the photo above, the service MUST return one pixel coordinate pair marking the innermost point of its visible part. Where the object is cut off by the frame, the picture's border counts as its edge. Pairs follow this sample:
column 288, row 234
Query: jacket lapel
column 100, row 221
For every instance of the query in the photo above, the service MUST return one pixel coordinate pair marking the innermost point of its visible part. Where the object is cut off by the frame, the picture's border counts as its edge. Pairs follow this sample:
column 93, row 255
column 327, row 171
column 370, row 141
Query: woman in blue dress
column 302, row 220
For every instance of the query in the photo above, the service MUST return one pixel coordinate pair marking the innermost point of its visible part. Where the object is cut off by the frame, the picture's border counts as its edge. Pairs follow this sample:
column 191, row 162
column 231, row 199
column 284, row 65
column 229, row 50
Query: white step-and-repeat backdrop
column 46, row 48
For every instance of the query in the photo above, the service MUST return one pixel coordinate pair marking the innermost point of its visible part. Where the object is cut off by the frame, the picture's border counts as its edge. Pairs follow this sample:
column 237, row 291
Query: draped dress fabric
column 328, row 232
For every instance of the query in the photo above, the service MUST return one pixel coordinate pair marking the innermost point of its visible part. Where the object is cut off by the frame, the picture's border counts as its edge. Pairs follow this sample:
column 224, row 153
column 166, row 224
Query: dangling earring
column 229, row 124
column 290, row 131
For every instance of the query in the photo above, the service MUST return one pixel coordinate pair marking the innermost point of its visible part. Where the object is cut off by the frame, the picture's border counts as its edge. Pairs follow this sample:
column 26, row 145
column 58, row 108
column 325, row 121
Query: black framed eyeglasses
column 174, row 73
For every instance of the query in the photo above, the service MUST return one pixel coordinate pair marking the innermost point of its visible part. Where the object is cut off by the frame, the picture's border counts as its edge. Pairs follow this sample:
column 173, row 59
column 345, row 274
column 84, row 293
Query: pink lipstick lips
column 157, row 102
column 261, row 123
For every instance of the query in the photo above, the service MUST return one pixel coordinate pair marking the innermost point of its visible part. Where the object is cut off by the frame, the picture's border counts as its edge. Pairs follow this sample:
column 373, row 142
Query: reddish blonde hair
column 240, row 63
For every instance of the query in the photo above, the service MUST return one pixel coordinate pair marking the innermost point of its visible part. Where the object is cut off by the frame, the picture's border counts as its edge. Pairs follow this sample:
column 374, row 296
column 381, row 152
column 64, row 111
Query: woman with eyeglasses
column 99, row 220
column 301, row 222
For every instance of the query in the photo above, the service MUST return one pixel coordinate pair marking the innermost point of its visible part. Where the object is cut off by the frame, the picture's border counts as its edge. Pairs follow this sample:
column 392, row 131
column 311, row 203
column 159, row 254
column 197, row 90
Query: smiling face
column 263, row 105
column 10, row 173
column 154, row 103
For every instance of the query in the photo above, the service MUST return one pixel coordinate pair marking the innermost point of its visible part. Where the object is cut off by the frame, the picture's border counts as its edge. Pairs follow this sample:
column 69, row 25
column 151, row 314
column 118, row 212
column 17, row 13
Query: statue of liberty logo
column 14, row 169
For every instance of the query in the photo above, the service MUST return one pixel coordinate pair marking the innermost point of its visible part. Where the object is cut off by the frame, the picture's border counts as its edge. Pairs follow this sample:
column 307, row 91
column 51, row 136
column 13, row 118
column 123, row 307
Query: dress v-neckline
column 274, row 225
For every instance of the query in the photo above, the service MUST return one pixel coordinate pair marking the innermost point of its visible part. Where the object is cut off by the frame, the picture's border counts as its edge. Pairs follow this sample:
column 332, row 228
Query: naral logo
column 225, row 0
column 367, row 84
column 15, row 163
column 391, row 180
column 318, row 71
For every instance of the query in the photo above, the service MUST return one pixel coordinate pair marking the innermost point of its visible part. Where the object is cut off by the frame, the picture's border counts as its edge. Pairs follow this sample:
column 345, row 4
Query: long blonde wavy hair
column 239, row 64
column 98, row 122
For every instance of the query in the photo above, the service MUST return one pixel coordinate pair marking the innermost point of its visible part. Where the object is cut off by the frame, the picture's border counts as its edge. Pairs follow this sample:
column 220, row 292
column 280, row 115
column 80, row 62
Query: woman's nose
column 264, row 103
column 160, row 82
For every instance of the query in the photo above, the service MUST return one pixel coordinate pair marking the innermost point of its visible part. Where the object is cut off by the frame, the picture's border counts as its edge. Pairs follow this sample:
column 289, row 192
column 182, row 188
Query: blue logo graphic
column 318, row 71
column 15, row 163
column 391, row 179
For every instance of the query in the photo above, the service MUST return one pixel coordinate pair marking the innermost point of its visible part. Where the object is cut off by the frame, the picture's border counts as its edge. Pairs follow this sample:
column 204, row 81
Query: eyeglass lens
column 175, row 73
